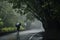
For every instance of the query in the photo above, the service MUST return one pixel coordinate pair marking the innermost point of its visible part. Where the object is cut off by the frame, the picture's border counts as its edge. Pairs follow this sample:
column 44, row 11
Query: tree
column 7, row 14
column 1, row 23
column 48, row 12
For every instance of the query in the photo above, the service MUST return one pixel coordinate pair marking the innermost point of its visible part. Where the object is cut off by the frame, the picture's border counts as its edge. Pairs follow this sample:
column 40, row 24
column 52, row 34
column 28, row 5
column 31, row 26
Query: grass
column 8, row 29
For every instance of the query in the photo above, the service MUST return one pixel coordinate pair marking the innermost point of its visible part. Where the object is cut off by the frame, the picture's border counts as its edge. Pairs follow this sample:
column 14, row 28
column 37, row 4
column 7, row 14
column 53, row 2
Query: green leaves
column 46, row 9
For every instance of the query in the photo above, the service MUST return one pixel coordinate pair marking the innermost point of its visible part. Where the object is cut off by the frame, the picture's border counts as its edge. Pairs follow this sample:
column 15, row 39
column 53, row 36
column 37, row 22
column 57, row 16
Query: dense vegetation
column 9, row 17
column 47, row 11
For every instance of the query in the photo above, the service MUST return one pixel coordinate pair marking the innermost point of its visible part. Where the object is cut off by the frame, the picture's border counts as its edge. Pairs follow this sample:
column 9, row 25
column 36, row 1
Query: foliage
column 41, row 6
column 44, row 10
column 9, row 29
column 1, row 23
column 7, row 14
column 22, row 8
column 47, row 11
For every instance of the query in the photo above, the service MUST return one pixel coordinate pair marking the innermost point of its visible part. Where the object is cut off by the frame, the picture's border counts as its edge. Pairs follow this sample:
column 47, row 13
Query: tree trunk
column 52, row 31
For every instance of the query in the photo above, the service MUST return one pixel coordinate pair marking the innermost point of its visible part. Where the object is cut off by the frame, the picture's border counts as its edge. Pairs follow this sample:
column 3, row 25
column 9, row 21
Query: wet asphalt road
column 24, row 35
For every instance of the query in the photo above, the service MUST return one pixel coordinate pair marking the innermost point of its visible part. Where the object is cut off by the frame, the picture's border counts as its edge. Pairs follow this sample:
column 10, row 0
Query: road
column 24, row 35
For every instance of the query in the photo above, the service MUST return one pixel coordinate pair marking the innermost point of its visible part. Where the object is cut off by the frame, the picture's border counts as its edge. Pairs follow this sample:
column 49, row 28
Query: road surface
column 24, row 35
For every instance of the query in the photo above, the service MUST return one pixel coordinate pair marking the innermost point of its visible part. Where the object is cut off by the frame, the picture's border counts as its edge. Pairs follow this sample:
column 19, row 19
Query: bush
column 9, row 29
